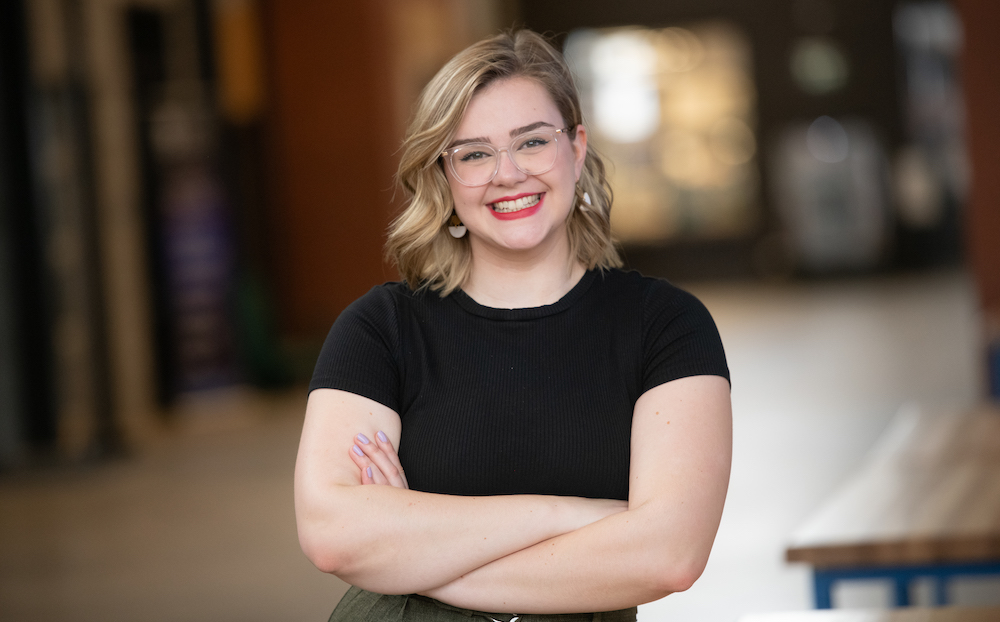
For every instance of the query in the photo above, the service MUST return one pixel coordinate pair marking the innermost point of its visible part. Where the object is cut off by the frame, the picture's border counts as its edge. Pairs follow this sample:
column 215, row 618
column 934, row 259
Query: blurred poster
column 930, row 170
column 830, row 181
column 196, row 248
column 189, row 221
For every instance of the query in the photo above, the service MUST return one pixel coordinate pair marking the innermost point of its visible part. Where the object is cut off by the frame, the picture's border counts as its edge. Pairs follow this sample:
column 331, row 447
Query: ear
column 579, row 150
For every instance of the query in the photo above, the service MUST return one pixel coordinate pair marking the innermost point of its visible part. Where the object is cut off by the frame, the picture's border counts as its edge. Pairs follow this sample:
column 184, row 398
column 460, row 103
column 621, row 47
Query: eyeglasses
column 533, row 153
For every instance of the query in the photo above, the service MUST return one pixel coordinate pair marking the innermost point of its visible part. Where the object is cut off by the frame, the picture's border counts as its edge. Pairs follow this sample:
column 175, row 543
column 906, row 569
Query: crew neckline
column 526, row 313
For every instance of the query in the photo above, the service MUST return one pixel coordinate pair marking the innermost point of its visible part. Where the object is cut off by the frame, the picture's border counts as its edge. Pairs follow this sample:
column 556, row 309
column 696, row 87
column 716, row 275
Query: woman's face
column 535, row 226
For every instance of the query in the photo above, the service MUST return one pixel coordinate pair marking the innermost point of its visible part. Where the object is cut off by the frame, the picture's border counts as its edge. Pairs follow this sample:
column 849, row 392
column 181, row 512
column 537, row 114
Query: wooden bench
column 909, row 614
column 925, row 503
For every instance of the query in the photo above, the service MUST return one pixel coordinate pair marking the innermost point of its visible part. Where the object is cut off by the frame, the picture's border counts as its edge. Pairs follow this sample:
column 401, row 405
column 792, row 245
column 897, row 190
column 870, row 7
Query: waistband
column 621, row 615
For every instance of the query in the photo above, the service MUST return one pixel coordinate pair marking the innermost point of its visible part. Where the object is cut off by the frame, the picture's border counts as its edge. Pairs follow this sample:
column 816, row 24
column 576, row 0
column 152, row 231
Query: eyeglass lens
column 477, row 163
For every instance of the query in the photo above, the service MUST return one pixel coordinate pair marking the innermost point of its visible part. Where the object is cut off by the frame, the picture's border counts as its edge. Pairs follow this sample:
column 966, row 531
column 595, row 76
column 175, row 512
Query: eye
column 536, row 141
column 473, row 155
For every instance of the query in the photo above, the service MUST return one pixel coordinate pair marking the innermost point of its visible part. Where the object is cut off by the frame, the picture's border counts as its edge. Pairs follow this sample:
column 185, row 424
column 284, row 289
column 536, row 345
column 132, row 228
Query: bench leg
column 901, row 577
column 823, row 587
column 901, row 585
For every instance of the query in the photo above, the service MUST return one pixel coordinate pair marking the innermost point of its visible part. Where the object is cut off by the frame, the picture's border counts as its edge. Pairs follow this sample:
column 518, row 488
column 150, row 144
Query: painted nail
column 382, row 437
column 363, row 439
column 358, row 451
column 369, row 473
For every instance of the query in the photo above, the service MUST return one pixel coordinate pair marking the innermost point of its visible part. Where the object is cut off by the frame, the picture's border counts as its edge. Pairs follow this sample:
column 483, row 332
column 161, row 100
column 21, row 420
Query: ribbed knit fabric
column 510, row 401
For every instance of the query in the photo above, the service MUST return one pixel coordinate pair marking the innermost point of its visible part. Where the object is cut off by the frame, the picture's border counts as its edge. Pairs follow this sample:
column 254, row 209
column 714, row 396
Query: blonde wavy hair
column 418, row 241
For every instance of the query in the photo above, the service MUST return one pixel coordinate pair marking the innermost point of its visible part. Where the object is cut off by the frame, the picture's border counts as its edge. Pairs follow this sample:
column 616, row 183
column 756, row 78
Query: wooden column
column 980, row 56
column 334, row 139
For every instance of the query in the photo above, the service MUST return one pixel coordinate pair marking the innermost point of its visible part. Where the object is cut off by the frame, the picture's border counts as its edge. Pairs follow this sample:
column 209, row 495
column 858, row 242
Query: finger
column 386, row 445
column 369, row 473
column 381, row 459
column 360, row 460
column 373, row 476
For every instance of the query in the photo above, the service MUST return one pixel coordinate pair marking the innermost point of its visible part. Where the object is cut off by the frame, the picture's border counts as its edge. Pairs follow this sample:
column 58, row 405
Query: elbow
column 323, row 533
column 324, row 560
column 320, row 552
column 683, row 578
column 678, row 576
column 327, row 553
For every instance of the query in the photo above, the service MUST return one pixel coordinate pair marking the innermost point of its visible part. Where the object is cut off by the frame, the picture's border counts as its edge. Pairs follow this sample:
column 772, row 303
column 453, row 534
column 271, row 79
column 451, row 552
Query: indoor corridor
column 199, row 525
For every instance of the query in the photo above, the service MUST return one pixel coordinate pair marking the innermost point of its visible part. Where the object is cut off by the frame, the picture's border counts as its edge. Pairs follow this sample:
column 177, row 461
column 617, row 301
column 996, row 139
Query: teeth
column 516, row 204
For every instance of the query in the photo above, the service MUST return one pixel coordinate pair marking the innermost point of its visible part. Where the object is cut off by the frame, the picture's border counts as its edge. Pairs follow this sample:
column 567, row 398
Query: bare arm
column 392, row 540
column 679, row 472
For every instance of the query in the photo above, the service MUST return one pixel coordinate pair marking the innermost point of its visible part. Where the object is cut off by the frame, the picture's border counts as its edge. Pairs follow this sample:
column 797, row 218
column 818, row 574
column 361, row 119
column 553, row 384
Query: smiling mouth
column 507, row 207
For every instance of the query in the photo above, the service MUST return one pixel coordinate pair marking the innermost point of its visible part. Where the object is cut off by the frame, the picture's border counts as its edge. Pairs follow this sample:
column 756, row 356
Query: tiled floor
column 200, row 526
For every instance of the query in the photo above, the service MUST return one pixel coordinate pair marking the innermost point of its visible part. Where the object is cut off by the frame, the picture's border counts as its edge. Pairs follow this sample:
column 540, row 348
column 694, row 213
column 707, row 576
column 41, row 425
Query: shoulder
column 384, row 303
column 678, row 335
column 361, row 353
column 380, row 298
column 373, row 316
column 653, row 296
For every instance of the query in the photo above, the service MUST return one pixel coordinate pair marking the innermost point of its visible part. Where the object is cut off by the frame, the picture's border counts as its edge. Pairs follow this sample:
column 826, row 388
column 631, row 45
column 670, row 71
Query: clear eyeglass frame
column 448, row 155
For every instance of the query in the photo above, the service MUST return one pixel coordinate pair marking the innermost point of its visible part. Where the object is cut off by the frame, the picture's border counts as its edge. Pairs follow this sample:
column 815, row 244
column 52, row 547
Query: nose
column 507, row 171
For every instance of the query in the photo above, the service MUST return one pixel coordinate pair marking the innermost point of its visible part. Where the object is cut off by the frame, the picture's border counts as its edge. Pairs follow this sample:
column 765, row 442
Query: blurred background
column 192, row 190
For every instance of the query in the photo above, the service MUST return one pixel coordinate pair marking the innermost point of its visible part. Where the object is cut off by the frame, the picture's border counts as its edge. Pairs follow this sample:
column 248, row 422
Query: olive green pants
column 363, row 606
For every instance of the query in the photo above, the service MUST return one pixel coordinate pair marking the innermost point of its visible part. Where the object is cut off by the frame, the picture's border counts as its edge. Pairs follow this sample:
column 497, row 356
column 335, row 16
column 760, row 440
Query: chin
column 530, row 240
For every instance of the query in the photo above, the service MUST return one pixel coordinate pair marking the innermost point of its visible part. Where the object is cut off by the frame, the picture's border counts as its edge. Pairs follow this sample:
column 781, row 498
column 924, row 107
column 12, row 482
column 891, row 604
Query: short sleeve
column 361, row 351
column 680, row 337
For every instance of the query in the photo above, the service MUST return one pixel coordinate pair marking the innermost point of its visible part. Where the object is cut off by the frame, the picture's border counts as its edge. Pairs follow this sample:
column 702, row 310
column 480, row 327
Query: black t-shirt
column 519, row 401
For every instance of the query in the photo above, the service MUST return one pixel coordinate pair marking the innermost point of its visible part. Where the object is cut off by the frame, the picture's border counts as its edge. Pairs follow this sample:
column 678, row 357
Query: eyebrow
column 514, row 132
column 528, row 128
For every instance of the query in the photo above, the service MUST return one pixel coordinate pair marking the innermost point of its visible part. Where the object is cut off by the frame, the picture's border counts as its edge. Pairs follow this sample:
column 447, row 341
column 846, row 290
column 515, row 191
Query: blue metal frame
column 901, row 577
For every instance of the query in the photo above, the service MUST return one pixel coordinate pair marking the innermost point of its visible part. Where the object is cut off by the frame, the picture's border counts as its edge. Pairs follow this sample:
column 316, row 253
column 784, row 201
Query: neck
column 522, row 282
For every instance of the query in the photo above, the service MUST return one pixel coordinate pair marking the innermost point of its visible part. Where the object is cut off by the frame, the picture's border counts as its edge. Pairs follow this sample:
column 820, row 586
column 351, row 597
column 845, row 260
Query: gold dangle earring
column 455, row 226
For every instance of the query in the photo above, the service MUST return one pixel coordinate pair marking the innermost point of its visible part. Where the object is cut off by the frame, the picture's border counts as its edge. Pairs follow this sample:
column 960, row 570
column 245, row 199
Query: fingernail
column 369, row 472
column 358, row 451
column 382, row 437
column 363, row 439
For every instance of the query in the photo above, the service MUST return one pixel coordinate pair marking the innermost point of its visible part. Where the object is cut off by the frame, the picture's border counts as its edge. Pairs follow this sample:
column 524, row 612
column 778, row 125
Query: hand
column 377, row 461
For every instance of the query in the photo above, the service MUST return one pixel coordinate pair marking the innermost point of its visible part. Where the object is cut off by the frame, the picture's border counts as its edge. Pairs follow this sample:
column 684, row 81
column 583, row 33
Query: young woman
column 519, row 428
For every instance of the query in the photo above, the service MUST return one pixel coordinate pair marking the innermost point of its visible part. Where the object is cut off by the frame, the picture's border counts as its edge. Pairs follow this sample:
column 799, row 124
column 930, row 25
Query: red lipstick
column 524, row 213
